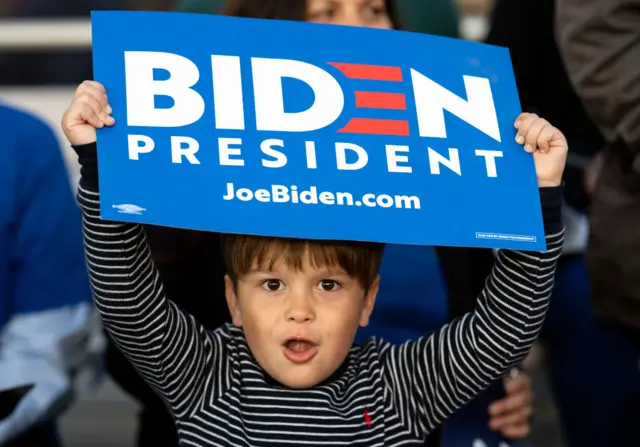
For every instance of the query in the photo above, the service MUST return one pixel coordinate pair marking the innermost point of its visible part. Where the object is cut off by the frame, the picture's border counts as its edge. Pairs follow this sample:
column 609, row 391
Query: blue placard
column 314, row 131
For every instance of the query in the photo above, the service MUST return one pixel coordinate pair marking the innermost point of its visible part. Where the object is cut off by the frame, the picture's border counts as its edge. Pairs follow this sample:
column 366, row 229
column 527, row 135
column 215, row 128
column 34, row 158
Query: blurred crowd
column 577, row 63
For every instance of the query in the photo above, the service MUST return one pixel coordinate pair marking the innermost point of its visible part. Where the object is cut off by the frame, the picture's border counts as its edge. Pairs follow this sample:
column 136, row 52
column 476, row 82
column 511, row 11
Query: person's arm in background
column 48, row 328
column 600, row 43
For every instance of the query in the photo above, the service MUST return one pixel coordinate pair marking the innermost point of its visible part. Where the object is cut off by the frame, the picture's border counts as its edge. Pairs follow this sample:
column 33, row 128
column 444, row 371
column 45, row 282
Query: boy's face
column 299, row 324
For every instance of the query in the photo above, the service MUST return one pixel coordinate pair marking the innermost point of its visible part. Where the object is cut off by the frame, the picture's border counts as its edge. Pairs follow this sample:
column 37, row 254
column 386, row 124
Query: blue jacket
column 42, row 262
column 412, row 299
column 45, row 304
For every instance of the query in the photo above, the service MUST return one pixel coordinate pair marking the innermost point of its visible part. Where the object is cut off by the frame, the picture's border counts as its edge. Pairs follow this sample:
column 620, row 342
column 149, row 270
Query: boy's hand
column 548, row 146
column 511, row 416
column 89, row 110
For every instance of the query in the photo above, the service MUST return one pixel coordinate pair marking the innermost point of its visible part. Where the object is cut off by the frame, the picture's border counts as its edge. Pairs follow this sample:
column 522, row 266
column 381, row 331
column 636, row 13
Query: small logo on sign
column 129, row 209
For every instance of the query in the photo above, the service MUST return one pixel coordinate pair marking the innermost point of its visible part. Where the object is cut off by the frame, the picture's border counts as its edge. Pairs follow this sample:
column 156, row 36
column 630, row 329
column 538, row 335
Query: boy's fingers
column 93, row 84
column 99, row 109
column 523, row 127
column 89, row 115
column 96, row 90
column 531, row 138
column 95, row 105
column 545, row 138
column 523, row 116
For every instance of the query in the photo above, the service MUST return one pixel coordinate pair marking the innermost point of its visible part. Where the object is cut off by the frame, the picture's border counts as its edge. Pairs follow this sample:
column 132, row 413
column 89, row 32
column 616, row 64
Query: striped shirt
column 383, row 394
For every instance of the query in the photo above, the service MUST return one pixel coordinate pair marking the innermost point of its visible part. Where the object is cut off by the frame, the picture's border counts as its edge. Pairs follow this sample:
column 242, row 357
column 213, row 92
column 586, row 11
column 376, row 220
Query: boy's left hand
column 548, row 146
column 511, row 415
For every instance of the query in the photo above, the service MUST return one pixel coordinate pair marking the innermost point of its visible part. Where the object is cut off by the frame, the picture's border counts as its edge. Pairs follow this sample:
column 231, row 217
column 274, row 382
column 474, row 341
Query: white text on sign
column 431, row 102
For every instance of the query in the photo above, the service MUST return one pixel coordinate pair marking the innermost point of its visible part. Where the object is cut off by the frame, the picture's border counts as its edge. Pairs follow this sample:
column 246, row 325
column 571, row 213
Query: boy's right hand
column 89, row 110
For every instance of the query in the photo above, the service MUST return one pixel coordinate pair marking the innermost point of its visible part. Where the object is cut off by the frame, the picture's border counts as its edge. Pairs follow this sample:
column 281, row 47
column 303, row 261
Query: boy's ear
column 369, row 302
column 232, row 301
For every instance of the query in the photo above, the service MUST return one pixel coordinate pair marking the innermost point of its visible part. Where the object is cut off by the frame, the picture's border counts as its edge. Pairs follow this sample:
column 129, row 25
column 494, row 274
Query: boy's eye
column 328, row 285
column 272, row 285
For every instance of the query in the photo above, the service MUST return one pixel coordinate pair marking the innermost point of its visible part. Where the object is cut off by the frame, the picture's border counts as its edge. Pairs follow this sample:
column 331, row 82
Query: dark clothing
column 584, row 354
column 600, row 42
column 614, row 262
column 543, row 84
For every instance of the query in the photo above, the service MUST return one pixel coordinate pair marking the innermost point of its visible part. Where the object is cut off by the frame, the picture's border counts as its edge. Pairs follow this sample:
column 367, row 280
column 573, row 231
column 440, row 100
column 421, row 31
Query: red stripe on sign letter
column 371, row 126
column 376, row 100
column 369, row 72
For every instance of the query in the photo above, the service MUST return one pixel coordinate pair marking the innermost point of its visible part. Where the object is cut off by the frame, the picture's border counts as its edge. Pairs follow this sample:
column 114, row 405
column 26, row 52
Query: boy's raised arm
column 169, row 348
column 432, row 377
column 435, row 375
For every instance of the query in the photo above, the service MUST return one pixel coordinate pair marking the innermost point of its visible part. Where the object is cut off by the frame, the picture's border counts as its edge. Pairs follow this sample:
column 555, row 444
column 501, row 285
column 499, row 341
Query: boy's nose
column 300, row 309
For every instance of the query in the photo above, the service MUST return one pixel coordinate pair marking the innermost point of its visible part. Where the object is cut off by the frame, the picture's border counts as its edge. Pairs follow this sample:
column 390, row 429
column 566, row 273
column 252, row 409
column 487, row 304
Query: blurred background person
column 600, row 45
column 594, row 372
column 45, row 309
column 438, row 17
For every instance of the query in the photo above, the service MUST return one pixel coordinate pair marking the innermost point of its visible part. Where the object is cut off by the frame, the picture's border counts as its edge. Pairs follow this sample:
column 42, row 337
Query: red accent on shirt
column 367, row 418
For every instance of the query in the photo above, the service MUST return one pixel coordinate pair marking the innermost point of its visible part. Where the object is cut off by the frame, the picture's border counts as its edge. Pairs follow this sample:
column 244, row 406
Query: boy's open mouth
column 299, row 350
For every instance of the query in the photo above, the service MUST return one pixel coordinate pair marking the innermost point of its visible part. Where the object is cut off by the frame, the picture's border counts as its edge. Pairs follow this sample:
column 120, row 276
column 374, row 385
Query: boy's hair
column 286, row 10
column 243, row 253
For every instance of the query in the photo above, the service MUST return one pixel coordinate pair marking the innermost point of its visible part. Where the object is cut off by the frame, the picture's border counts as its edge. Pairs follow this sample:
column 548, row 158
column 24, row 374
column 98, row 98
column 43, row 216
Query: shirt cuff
column 551, row 200
column 88, row 159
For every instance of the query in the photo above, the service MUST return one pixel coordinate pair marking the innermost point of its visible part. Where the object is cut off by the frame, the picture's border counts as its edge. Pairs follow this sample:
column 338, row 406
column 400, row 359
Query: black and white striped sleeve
column 430, row 378
column 171, row 351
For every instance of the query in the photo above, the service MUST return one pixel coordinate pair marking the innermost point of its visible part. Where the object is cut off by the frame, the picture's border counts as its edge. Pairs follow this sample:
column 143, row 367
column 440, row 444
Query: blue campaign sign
column 312, row 131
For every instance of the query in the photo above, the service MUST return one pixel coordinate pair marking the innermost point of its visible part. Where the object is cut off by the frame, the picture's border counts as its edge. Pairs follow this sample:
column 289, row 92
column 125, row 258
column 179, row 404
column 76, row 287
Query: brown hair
column 286, row 10
column 359, row 260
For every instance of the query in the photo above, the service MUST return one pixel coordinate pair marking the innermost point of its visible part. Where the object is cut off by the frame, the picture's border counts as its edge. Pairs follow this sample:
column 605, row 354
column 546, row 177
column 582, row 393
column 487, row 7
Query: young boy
column 286, row 371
